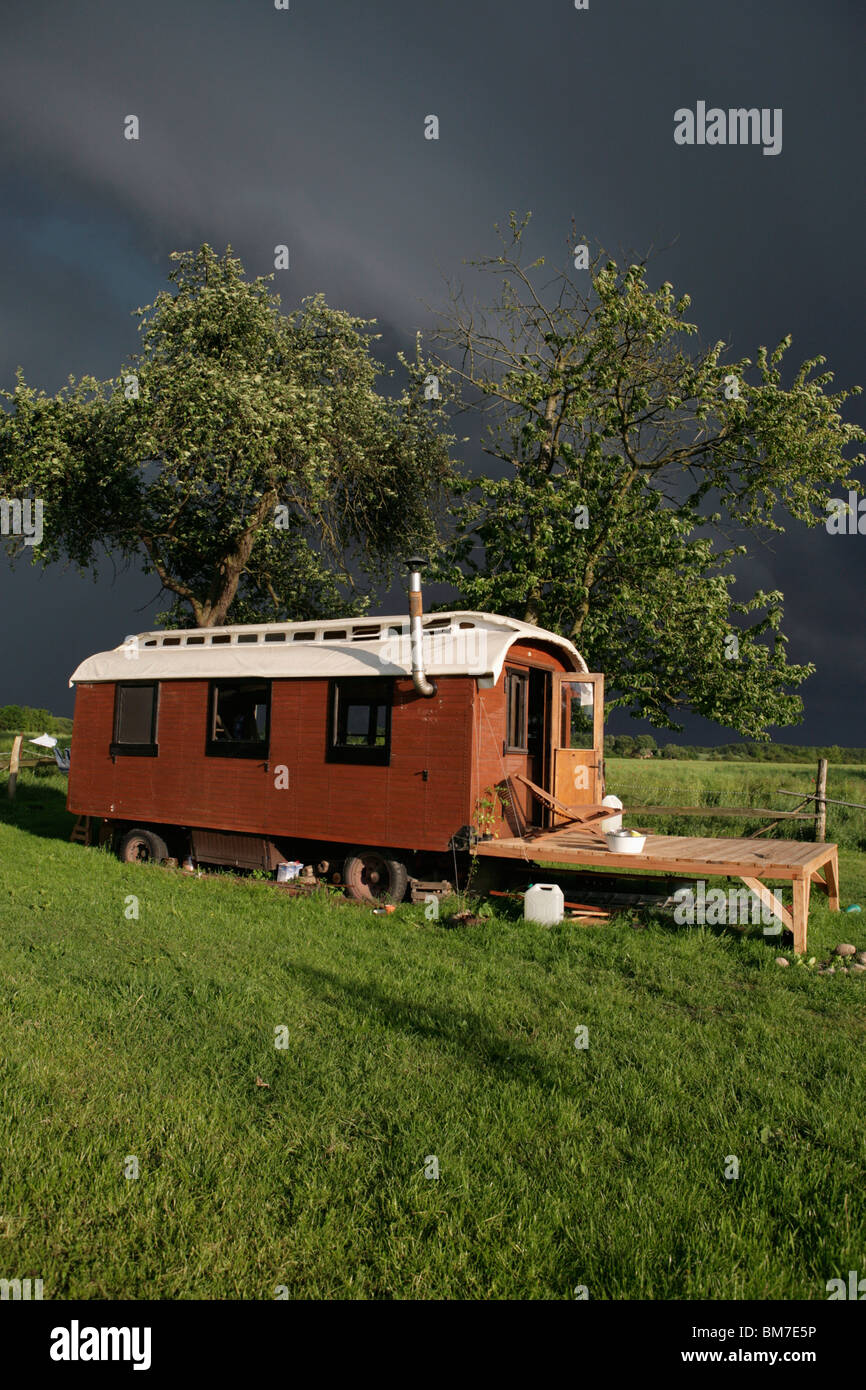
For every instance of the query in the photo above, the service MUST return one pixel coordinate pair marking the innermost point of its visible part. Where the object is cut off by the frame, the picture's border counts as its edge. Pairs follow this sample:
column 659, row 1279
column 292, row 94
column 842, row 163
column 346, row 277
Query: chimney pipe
column 424, row 687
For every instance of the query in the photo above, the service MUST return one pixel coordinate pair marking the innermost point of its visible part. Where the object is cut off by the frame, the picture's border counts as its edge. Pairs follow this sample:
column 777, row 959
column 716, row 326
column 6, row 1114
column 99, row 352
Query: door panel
column 515, row 749
column 526, row 745
column 577, row 734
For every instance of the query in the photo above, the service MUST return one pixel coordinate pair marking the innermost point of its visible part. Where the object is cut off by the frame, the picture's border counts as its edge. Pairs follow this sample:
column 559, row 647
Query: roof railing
column 326, row 630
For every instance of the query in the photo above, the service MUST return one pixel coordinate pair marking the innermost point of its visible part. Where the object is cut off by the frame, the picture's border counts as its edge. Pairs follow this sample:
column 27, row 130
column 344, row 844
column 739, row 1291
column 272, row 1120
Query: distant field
column 678, row 783
column 149, row 1039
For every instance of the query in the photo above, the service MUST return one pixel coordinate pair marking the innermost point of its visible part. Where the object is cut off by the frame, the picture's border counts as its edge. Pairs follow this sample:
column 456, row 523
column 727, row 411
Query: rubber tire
column 371, row 877
column 142, row 847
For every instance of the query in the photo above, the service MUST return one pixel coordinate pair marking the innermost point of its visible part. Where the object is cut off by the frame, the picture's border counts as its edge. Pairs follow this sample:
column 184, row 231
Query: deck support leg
column 831, row 875
column 802, row 886
column 761, row 891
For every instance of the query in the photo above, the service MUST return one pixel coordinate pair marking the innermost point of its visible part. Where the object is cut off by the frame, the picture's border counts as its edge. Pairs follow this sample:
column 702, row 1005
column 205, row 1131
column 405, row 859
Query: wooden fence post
column 820, row 802
column 14, row 760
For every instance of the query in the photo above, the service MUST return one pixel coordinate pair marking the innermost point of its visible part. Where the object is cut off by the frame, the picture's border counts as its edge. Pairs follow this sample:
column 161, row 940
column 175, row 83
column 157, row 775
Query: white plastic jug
column 286, row 872
column 544, row 902
column 612, row 822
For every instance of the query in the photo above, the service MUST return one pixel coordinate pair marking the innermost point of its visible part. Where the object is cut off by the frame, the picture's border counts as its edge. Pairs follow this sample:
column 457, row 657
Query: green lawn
column 602, row 1167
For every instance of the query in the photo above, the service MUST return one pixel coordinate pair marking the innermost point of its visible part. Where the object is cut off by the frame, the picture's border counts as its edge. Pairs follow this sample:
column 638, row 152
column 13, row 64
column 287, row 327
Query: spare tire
column 371, row 876
column 142, row 847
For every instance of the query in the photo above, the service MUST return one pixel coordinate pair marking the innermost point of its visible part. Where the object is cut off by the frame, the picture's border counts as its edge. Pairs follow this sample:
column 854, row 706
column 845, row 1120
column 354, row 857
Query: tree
column 247, row 458
column 12, row 717
column 622, row 455
column 625, row 746
column 645, row 743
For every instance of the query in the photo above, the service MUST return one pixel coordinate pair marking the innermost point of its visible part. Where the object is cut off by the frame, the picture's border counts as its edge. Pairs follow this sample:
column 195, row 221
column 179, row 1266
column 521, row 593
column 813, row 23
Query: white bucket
column 545, row 903
column 286, row 872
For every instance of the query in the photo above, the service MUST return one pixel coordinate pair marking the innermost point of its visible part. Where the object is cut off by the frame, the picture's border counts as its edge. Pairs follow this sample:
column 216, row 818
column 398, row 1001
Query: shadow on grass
column 39, row 807
column 477, row 1042
column 735, row 933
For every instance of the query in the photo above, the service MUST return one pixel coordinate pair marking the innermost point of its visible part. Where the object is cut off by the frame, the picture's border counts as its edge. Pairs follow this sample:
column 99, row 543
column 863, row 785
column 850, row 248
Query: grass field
column 602, row 1167
column 659, row 782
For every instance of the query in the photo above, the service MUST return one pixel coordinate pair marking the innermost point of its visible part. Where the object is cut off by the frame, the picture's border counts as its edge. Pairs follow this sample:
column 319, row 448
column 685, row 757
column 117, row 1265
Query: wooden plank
column 801, row 913
column 831, row 875
column 587, row 908
column 14, row 762
column 784, row 852
column 738, row 857
column 830, row 800
column 820, row 802
column 748, row 812
column 762, row 891
column 796, row 813
column 715, row 852
column 818, row 855
column 661, row 841
column 573, row 815
column 547, row 797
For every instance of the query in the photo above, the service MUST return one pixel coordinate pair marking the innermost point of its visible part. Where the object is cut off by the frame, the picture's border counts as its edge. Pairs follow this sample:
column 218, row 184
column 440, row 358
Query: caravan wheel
column 372, row 877
column 142, row 847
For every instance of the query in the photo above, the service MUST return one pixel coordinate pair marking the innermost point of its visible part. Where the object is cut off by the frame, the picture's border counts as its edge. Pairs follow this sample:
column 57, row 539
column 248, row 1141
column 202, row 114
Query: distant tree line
column 626, row 746
column 22, row 719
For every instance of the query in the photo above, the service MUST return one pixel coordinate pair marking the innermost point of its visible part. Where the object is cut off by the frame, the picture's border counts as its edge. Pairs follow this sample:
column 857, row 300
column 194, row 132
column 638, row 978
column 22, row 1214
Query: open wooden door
column 577, row 738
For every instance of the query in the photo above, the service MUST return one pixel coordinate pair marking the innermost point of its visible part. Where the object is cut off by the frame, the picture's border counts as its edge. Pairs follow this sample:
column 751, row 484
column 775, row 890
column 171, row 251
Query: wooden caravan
column 381, row 744
column 380, row 750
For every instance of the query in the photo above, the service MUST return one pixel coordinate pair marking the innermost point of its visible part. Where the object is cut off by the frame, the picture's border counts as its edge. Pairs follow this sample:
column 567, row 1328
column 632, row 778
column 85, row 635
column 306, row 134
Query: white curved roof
column 454, row 644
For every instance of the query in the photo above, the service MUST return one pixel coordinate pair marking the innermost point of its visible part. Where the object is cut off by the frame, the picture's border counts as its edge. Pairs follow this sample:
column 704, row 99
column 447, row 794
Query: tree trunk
column 224, row 585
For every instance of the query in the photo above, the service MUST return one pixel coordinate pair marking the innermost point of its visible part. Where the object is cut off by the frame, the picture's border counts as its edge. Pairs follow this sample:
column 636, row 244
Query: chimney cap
column 415, row 562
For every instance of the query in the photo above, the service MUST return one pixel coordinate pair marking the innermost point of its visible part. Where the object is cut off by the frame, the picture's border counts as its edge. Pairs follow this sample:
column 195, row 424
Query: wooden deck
column 800, row 862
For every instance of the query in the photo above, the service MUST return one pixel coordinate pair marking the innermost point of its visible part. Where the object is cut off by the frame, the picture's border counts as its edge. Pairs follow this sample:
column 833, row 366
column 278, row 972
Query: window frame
column 117, row 749
column 520, row 678
column 565, row 715
column 258, row 751
column 367, row 755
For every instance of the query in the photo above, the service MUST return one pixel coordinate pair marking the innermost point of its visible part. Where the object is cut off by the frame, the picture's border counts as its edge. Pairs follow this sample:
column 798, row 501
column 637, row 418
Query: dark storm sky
column 305, row 127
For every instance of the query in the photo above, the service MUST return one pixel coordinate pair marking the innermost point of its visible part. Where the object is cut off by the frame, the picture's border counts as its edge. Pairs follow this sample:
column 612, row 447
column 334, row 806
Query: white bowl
column 618, row 843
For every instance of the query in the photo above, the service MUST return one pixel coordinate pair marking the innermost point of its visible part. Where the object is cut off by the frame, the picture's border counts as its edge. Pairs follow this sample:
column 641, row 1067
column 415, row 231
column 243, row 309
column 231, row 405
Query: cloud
column 305, row 127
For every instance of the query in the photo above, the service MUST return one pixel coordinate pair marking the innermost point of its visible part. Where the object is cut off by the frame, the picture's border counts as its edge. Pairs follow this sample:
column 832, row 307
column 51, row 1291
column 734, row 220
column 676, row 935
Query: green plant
column 486, row 812
column 491, row 805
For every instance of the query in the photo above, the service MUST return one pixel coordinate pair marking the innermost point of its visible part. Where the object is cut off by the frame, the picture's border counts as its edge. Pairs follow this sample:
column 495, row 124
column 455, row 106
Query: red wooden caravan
column 377, row 746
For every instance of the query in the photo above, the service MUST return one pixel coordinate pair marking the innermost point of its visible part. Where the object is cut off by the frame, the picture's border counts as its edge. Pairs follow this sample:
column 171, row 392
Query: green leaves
column 239, row 409
column 593, row 397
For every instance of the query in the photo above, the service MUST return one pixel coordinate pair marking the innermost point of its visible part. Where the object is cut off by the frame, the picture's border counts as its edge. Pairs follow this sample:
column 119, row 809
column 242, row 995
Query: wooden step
column 81, row 831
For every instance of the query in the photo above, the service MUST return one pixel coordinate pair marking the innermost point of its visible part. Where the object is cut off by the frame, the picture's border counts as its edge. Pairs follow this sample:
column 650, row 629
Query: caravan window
column 135, row 706
column 239, row 717
column 360, row 721
column 516, row 690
